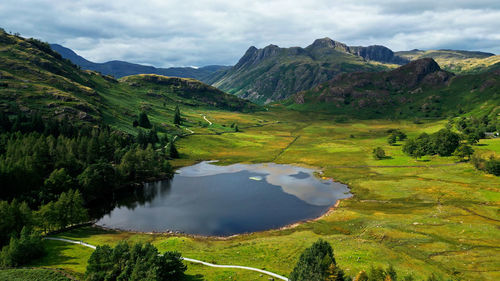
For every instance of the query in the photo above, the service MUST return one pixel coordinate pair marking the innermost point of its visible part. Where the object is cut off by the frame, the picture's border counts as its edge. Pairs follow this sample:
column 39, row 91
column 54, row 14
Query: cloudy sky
column 167, row 33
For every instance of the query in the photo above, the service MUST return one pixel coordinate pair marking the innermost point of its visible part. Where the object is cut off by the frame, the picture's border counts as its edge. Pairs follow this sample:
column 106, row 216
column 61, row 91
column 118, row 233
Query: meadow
column 431, row 215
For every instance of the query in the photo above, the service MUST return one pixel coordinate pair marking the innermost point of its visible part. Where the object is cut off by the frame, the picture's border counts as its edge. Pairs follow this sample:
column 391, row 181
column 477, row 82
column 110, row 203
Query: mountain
column 33, row 77
column 274, row 73
column 120, row 69
column 418, row 89
column 456, row 61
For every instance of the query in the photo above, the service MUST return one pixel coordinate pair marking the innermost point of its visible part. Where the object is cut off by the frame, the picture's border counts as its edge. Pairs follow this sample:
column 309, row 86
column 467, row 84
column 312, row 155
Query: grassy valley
column 429, row 215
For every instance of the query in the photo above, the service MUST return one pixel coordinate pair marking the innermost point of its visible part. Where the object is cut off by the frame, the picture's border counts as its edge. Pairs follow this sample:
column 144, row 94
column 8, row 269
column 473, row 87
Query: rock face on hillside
column 274, row 73
column 378, row 53
column 377, row 90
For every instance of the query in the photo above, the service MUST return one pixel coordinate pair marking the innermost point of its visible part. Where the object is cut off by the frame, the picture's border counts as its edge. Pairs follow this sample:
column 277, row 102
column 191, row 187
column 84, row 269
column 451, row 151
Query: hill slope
column 420, row 88
column 35, row 78
column 456, row 61
column 274, row 73
column 120, row 69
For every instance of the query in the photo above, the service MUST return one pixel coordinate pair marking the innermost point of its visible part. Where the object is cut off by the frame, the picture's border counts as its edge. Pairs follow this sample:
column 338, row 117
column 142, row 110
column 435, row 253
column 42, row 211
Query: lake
column 209, row 199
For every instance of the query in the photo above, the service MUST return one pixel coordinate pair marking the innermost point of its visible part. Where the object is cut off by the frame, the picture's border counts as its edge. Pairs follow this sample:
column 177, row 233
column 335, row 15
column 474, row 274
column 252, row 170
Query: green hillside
column 418, row 89
column 274, row 73
column 461, row 62
column 35, row 78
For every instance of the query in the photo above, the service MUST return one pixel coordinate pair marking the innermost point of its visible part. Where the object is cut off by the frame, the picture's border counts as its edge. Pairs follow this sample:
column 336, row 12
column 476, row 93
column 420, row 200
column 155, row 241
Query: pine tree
column 144, row 120
column 177, row 116
column 172, row 150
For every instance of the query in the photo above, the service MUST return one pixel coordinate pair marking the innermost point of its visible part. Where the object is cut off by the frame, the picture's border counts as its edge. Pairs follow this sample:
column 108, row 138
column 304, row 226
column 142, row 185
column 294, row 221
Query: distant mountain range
column 120, row 69
column 272, row 73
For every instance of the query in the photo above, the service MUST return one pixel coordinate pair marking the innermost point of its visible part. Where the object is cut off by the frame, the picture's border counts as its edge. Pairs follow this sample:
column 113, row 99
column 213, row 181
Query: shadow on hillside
column 197, row 277
column 87, row 231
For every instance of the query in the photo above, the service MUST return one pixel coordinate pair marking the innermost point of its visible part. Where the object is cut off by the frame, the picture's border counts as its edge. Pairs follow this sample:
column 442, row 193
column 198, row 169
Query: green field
column 424, row 216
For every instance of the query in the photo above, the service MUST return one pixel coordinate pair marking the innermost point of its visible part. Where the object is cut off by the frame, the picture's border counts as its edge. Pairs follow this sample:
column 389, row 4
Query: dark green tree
column 378, row 153
column 58, row 182
column 144, row 120
column 391, row 139
column 445, row 142
column 97, row 179
column 177, row 116
column 172, row 150
column 463, row 151
column 317, row 263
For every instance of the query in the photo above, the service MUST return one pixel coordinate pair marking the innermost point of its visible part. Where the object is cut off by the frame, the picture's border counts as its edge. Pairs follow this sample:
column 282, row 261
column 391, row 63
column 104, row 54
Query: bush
column 493, row 167
column 378, row 153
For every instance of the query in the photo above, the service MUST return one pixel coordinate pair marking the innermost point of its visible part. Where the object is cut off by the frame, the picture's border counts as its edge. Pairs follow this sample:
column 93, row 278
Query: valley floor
column 424, row 216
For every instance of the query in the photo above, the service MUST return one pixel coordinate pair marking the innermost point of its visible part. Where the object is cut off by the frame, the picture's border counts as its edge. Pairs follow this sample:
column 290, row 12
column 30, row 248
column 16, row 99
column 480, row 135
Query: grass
column 422, row 220
column 35, row 274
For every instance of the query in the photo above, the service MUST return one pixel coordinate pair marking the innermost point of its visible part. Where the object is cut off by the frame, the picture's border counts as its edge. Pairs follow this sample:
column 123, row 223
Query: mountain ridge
column 273, row 73
column 35, row 78
column 118, row 69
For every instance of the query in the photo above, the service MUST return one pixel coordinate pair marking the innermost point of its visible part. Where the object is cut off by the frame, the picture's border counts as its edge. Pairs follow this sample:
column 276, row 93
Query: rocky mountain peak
column 327, row 43
column 421, row 67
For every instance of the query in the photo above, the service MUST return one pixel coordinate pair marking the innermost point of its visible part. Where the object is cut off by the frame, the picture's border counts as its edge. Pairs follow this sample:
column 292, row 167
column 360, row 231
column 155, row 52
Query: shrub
column 378, row 153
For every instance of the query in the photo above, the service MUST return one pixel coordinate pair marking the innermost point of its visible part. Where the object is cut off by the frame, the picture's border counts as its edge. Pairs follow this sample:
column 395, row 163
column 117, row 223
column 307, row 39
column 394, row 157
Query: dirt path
column 205, row 117
column 184, row 258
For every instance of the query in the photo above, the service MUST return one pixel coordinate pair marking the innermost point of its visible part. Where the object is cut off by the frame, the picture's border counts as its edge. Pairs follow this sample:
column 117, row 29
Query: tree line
column 21, row 227
column 39, row 159
column 134, row 262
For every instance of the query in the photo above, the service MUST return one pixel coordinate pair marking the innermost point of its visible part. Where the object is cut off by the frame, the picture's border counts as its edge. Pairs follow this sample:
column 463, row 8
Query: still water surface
column 207, row 199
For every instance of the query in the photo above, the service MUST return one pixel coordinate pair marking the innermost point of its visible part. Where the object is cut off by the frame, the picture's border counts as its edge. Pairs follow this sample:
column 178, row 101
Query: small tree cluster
column 136, row 262
column 474, row 128
column 22, row 249
column 443, row 143
column 395, row 135
column 67, row 210
column 491, row 165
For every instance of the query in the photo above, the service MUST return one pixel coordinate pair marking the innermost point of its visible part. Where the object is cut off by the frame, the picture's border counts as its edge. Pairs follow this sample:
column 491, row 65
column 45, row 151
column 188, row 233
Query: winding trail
column 184, row 258
column 205, row 117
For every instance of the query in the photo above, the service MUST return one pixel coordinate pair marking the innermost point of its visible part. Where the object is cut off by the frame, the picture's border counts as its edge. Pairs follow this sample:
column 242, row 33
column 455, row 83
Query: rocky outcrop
column 378, row 53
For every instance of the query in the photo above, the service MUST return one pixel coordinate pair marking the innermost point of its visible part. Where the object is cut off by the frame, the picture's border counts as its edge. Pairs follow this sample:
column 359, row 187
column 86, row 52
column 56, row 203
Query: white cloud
column 201, row 32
